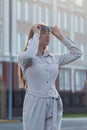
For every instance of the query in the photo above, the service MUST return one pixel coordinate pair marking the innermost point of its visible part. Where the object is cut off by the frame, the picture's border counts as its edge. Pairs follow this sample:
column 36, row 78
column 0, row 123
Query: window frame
column 80, row 79
column 0, row 39
column 19, row 10
column 26, row 8
column 76, row 23
column 63, row 81
column 0, row 7
column 1, row 69
column 19, row 44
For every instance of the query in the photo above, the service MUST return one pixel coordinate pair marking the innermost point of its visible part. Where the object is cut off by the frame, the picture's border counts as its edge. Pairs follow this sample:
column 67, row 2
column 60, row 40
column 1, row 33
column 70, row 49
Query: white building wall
column 52, row 12
column 14, row 28
column 6, row 30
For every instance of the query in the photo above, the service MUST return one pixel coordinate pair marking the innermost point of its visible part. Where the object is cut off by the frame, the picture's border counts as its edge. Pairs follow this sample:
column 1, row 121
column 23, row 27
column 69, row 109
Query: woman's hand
column 57, row 33
column 36, row 28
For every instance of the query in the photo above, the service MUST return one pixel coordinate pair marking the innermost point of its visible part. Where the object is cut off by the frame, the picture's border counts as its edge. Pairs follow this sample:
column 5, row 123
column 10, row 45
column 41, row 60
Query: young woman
column 42, row 108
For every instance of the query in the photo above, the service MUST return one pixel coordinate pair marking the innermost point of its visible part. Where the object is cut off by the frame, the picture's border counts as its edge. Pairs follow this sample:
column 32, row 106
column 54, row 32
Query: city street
column 67, row 124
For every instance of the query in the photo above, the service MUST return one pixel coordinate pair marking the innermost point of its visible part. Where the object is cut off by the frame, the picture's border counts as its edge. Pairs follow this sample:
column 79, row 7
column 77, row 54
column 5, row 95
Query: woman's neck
column 40, row 51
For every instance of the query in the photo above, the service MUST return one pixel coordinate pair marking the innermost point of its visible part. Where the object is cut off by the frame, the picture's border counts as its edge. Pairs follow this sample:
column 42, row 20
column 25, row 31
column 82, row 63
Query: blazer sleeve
column 74, row 53
column 24, row 57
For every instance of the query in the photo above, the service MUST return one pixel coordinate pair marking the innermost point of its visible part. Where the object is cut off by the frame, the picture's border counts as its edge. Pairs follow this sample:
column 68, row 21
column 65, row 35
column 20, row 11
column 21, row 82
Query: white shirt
column 41, row 76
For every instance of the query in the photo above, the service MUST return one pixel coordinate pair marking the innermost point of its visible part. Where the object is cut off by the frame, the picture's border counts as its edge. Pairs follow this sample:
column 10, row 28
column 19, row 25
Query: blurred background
column 16, row 17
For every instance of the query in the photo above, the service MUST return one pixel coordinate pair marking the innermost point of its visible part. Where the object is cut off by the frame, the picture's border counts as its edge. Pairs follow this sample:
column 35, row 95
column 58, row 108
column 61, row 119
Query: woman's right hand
column 36, row 28
column 57, row 33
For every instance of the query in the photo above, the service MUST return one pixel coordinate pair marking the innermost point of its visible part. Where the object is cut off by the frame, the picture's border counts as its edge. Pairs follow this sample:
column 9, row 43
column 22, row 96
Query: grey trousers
column 42, row 113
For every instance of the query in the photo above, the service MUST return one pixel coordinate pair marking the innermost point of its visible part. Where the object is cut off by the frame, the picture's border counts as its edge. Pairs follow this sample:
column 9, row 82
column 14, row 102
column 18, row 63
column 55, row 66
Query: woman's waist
column 45, row 94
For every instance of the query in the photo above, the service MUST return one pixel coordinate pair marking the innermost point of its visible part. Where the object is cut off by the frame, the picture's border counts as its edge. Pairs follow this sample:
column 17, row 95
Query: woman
column 42, row 109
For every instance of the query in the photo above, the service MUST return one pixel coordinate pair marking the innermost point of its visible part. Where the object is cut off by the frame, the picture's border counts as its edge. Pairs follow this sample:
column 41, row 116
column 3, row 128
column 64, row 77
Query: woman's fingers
column 57, row 33
column 36, row 28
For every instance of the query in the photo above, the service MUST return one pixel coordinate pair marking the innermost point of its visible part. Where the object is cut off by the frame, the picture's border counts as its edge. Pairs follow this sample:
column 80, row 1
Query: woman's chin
column 47, row 43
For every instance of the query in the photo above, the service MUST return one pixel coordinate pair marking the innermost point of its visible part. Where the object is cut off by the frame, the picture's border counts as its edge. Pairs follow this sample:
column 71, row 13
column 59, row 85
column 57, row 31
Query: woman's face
column 44, row 38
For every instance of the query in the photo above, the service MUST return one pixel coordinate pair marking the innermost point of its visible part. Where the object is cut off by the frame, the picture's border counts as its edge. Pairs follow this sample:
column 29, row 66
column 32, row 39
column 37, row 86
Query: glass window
column 26, row 12
column 55, row 45
column 30, row 12
column 40, row 13
column 26, row 38
column 82, row 49
column 76, row 23
column 0, row 69
column 61, row 80
column 80, row 77
column 34, row 19
column 19, row 10
column 81, row 24
column 19, row 42
column 64, row 79
column 77, row 81
column 0, row 7
column 83, row 79
column 47, row 15
column 62, row 49
column 65, row 21
column 59, row 18
column 59, row 48
column 67, row 80
column 65, row 50
column 0, row 39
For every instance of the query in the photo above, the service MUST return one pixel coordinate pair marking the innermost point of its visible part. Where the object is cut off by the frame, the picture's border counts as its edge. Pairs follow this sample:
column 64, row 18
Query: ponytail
column 20, row 74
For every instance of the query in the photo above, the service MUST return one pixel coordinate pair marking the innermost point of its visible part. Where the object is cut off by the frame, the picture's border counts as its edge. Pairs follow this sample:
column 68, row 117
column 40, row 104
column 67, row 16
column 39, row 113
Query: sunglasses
column 46, row 28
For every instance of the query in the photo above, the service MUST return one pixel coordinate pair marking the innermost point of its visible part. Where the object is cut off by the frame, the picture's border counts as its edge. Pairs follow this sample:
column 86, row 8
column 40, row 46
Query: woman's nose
column 47, row 33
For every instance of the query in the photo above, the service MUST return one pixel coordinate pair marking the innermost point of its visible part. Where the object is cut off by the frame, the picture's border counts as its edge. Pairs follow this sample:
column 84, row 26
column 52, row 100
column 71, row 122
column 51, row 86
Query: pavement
column 67, row 124
column 74, row 124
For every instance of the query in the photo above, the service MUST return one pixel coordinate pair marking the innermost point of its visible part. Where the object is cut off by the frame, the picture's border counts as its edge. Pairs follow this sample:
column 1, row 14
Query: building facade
column 16, row 17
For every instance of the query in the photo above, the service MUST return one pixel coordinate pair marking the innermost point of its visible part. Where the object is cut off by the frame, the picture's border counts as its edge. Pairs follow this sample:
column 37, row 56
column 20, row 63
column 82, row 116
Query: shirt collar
column 46, row 54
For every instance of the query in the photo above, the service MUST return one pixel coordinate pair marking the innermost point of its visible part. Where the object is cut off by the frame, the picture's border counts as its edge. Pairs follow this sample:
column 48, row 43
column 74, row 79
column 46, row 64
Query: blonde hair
column 21, row 78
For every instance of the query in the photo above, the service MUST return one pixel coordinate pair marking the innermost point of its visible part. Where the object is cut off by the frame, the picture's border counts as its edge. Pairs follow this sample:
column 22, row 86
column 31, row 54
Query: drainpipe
column 10, row 52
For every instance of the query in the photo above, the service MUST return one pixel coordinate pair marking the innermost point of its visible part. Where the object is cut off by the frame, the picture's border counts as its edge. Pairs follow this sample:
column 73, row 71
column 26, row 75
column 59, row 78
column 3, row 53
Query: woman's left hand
column 57, row 33
column 36, row 28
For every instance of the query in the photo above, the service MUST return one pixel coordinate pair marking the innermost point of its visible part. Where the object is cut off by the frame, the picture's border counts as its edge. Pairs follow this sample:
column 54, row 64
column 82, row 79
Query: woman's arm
column 25, row 57
column 32, row 49
column 75, row 52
